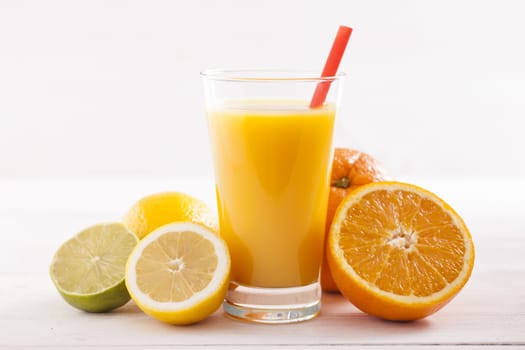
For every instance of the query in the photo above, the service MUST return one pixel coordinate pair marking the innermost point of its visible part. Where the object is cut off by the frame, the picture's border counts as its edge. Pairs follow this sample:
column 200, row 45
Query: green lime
column 88, row 270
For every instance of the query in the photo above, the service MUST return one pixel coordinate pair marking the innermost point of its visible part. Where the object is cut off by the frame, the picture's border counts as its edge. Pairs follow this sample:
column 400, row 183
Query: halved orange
column 398, row 251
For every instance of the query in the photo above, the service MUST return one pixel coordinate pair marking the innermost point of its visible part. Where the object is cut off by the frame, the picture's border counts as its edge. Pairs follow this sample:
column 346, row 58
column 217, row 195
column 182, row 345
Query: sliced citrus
column 179, row 273
column 163, row 208
column 88, row 269
column 398, row 251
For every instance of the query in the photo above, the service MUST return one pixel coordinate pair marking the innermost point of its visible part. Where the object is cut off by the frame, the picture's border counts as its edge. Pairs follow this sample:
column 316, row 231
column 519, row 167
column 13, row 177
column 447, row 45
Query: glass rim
column 267, row 75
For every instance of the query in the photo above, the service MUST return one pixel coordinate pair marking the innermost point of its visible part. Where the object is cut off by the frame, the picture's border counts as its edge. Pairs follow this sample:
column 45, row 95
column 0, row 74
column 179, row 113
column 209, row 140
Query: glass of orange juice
column 272, row 159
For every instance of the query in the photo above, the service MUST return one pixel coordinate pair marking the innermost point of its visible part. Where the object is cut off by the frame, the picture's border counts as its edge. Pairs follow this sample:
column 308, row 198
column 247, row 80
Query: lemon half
column 179, row 273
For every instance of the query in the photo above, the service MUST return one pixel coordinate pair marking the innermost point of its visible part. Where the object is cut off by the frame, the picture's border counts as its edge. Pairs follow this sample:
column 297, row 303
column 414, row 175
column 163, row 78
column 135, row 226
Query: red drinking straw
column 331, row 65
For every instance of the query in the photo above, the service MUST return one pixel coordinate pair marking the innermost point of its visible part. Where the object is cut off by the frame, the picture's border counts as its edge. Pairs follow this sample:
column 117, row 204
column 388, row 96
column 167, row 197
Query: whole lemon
column 159, row 209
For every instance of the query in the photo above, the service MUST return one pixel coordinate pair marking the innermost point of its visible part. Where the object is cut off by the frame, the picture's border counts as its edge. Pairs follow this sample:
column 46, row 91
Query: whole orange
column 350, row 169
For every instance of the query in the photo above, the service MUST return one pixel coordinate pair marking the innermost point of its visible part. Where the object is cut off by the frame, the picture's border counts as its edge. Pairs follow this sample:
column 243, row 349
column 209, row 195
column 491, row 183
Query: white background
column 112, row 88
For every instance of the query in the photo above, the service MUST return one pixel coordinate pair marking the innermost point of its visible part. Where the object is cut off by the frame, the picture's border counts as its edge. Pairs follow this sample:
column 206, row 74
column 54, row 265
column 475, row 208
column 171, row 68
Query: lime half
column 88, row 270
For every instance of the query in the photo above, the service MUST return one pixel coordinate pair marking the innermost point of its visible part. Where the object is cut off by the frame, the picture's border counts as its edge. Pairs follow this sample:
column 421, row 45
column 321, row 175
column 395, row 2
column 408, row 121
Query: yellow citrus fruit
column 88, row 269
column 159, row 209
column 179, row 273
column 398, row 251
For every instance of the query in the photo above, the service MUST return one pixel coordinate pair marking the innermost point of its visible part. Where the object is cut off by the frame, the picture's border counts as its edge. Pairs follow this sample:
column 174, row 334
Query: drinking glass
column 272, row 157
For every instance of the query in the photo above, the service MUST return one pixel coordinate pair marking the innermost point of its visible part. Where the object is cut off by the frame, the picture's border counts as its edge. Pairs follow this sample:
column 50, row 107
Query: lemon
column 163, row 208
column 179, row 273
column 88, row 269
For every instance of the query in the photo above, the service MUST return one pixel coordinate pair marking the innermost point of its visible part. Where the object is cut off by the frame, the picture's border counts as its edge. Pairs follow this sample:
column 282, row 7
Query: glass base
column 273, row 305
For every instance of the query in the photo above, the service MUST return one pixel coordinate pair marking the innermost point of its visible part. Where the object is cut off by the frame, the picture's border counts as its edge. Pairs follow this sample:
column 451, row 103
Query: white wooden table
column 37, row 215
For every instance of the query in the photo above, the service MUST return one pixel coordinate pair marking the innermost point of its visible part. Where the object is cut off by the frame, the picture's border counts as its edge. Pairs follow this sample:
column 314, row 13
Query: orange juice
column 272, row 166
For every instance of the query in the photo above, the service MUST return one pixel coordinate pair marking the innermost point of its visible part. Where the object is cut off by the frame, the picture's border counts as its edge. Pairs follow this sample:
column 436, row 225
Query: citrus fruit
column 350, row 169
column 179, row 273
column 163, row 208
column 398, row 251
column 88, row 269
